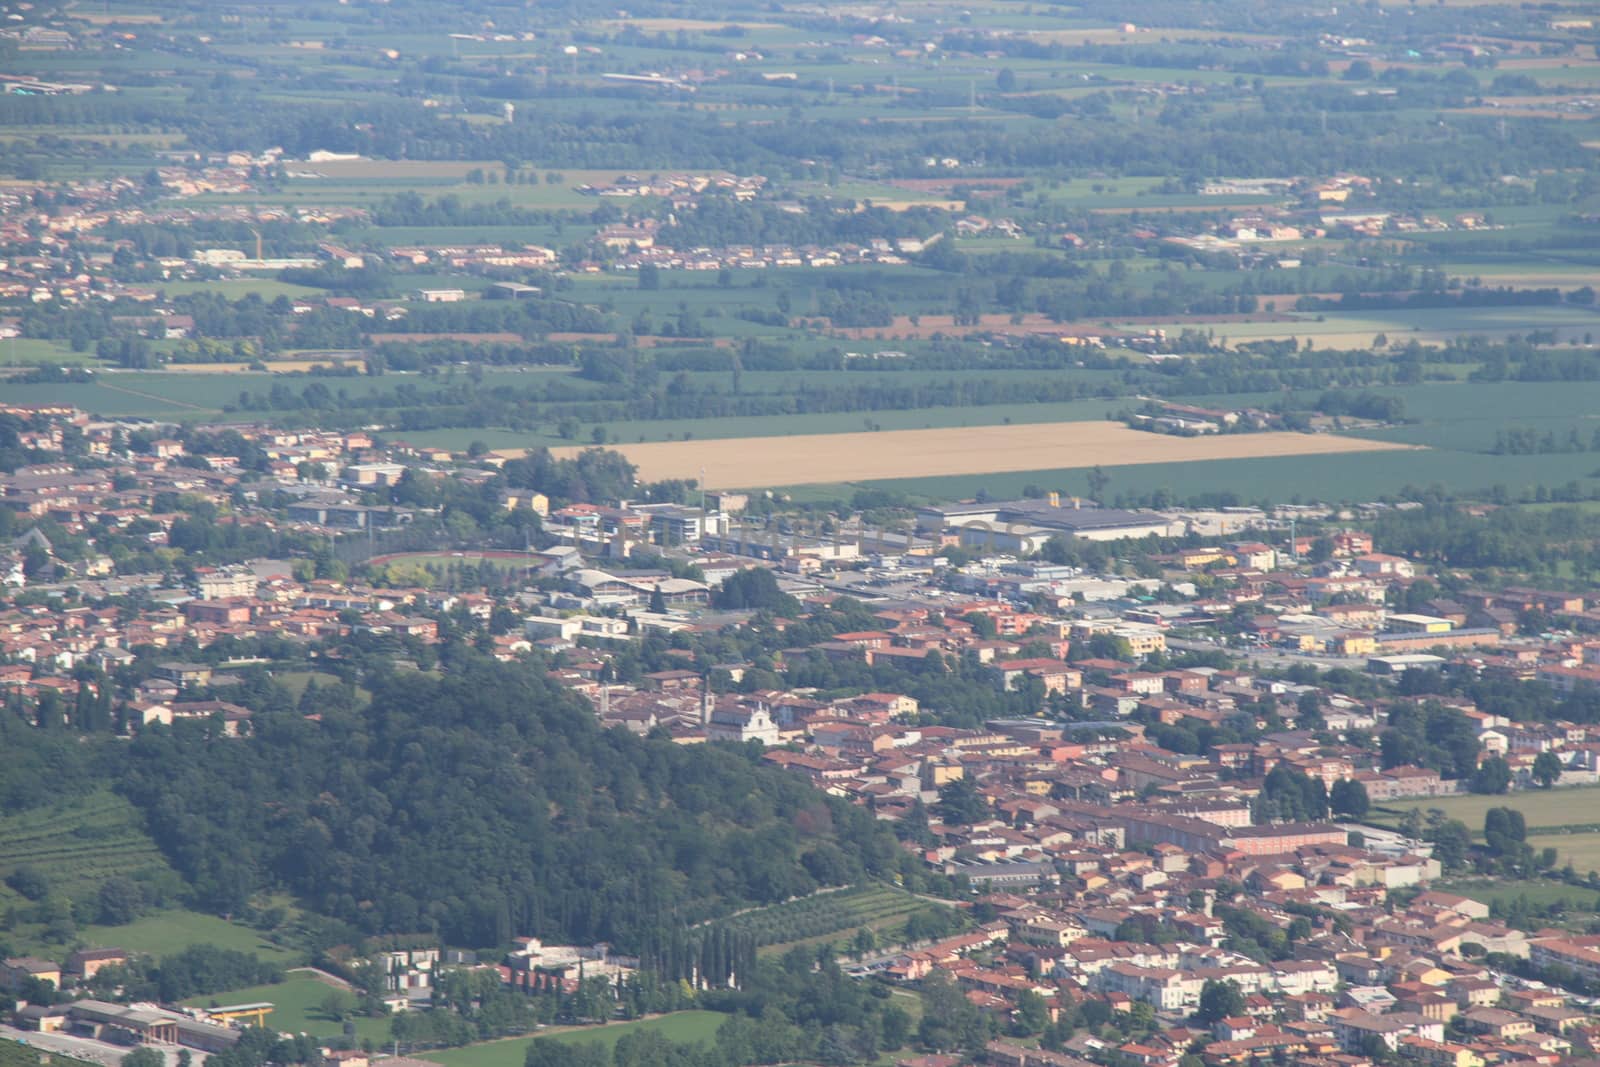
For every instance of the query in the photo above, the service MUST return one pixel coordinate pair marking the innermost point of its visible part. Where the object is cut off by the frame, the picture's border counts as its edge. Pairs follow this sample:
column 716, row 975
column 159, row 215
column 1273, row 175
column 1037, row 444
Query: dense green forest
column 475, row 806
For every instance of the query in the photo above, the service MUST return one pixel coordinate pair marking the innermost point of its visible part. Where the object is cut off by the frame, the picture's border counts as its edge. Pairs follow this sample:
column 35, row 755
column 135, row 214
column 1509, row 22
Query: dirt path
column 324, row 977
column 151, row 396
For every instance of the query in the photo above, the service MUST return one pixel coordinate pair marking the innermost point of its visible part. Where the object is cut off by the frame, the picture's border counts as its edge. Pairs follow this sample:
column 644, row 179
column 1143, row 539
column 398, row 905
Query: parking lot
column 83, row 1048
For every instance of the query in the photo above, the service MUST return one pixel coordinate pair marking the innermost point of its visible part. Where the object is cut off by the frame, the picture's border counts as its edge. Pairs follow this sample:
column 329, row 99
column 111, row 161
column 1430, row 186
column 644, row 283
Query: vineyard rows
column 80, row 844
column 824, row 913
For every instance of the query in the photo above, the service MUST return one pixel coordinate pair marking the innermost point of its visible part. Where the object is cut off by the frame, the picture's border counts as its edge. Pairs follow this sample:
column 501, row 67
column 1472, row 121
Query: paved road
column 83, row 1048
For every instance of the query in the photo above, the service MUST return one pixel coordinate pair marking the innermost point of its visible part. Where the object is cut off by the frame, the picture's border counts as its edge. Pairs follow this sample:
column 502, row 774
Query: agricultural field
column 1541, row 808
column 164, row 932
column 1541, row 894
column 33, row 352
column 1455, row 426
column 235, row 288
column 825, row 916
column 844, row 422
column 78, row 844
column 682, row 1027
column 1580, row 850
column 196, row 392
column 797, row 460
column 1431, row 326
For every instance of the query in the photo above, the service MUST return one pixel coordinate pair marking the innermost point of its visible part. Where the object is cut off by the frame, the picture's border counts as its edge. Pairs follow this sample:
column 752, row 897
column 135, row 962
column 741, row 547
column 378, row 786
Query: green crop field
column 1359, row 476
column 1581, row 850
column 1456, row 424
column 1540, row 894
column 30, row 351
column 170, row 931
column 200, row 395
column 1540, row 807
column 236, row 288
column 78, row 844
column 777, row 425
column 684, row 1027
column 822, row 916
column 297, row 1008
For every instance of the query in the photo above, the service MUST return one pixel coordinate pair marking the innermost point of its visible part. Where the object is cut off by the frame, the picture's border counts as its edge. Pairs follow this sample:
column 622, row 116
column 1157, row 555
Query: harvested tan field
column 945, row 186
column 281, row 366
column 1526, row 112
column 927, row 326
column 755, row 462
column 436, row 170
column 907, row 205
column 689, row 25
column 1144, row 34
column 644, row 340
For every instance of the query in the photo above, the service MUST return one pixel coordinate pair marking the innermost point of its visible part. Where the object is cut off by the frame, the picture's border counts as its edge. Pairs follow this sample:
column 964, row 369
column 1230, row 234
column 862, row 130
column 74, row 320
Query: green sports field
column 298, row 1008
column 684, row 1027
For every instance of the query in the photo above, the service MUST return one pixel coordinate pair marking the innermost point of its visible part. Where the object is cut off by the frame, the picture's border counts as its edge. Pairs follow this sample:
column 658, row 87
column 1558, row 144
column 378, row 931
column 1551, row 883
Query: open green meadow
column 1455, row 423
column 199, row 395
column 298, row 681
column 1539, row 894
column 1541, row 808
column 301, row 1005
column 171, row 931
column 79, row 844
column 1580, row 850
column 266, row 288
column 1283, row 479
column 33, row 351
column 683, row 1027
column 617, row 432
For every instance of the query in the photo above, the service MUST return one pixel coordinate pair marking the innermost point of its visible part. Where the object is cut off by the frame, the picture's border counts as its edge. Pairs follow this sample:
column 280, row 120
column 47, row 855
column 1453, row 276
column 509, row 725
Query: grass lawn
column 681, row 1026
column 1540, row 807
column 170, row 931
column 1580, row 850
column 237, row 288
column 297, row 682
column 624, row 432
column 28, row 351
column 297, row 1008
column 1542, row 894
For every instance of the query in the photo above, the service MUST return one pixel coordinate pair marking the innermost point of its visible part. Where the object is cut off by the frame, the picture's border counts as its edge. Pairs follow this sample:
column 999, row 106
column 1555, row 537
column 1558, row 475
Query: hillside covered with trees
column 476, row 806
